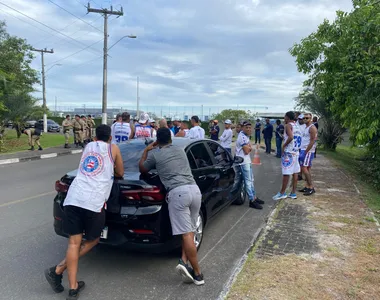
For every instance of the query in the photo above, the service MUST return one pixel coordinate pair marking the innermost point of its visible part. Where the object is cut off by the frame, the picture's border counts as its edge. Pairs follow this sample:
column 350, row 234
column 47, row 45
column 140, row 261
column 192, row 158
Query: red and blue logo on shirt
column 91, row 164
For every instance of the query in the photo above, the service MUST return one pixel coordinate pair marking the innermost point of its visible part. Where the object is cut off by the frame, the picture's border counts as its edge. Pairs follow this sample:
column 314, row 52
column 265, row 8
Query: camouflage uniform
column 91, row 126
column 67, row 125
column 78, row 131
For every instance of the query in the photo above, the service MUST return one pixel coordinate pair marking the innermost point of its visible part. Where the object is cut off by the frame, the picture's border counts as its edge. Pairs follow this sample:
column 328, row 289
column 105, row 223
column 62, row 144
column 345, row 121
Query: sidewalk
column 34, row 155
column 326, row 246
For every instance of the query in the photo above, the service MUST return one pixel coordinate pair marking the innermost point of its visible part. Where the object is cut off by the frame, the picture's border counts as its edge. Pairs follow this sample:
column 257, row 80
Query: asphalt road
column 28, row 243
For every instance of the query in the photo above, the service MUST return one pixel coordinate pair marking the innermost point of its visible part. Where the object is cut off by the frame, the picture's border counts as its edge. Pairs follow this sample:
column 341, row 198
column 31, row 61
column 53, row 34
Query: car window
column 201, row 156
column 131, row 154
column 220, row 155
column 191, row 159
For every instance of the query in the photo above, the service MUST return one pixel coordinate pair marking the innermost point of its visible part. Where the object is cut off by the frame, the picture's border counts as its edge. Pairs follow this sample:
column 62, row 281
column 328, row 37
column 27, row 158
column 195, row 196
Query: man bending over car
column 84, row 207
column 183, row 197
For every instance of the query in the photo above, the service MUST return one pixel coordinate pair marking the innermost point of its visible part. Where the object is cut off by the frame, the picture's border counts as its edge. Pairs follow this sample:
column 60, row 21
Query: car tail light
column 61, row 187
column 148, row 194
column 141, row 231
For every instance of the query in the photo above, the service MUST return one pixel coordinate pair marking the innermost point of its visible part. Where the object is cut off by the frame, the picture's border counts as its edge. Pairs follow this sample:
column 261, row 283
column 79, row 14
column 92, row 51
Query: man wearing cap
column 226, row 137
column 142, row 128
column 91, row 127
column 214, row 131
column 244, row 149
column 196, row 131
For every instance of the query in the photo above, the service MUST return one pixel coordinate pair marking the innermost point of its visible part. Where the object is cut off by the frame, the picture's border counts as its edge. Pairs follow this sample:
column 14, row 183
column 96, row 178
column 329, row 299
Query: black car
column 137, row 214
column 51, row 125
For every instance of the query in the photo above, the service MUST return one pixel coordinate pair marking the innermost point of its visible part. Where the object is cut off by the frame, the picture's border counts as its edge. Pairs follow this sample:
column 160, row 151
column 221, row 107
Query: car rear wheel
column 198, row 234
column 242, row 196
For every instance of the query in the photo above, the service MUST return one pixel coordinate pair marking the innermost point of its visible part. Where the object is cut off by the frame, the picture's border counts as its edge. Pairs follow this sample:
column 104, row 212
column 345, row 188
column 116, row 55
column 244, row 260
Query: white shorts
column 290, row 164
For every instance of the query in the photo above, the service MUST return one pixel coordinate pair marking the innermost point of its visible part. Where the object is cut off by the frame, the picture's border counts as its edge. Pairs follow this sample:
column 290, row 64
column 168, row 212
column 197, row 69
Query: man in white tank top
column 142, row 128
column 308, row 145
column 289, row 158
column 121, row 131
column 84, row 206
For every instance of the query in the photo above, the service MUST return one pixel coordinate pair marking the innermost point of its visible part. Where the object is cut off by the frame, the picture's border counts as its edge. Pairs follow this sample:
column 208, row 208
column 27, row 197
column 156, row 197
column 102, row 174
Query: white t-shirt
column 197, row 133
column 241, row 141
column 226, row 138
column 120, row 132
column 92, row 185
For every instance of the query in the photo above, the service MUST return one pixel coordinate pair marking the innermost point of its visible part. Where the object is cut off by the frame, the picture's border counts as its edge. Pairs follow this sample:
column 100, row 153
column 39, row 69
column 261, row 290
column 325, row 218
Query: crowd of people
column 87, row 214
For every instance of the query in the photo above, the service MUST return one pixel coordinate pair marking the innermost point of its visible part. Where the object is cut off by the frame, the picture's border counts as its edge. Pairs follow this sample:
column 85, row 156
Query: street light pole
column 42, row 51
column 138, row 99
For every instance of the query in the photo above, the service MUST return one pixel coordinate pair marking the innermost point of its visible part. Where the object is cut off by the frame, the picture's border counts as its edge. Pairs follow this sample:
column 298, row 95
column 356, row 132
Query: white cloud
column 211, row 53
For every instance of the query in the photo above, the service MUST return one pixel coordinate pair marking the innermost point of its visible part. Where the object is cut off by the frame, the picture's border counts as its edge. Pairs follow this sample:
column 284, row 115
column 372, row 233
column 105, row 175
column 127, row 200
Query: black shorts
column 79, row 220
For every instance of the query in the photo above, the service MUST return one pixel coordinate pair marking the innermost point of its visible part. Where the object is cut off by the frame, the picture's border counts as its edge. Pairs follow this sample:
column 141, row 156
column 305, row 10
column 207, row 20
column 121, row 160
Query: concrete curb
column 37, row 157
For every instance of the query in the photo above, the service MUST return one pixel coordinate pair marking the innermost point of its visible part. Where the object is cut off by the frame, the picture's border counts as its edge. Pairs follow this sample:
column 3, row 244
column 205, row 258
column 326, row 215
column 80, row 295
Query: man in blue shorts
column 308, row 145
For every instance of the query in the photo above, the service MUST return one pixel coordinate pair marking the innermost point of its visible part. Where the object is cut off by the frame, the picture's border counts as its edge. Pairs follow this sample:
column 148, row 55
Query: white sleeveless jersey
column 306, row 139
column 293, row 147
column 120, row 132
column 92, row 186
column 143, row 131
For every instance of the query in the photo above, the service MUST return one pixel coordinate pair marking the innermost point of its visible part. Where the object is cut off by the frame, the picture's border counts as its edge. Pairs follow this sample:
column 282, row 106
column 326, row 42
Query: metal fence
column 167, row 111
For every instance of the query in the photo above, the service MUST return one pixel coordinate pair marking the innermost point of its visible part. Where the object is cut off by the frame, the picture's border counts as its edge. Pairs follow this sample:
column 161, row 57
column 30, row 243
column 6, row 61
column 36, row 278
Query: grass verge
column 13, row 144
column 351, row 161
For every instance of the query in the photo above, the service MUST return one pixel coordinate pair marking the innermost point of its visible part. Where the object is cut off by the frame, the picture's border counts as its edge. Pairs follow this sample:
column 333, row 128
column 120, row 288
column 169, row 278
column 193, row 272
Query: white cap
column 152, row 121
column 300, row 116
column 228, row 121
column 144, row 118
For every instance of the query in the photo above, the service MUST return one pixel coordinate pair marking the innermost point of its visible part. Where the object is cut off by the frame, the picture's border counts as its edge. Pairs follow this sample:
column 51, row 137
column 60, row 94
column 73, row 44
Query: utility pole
column 138, row 99
column 42, row 51
column 55, row 106
column 105, row 12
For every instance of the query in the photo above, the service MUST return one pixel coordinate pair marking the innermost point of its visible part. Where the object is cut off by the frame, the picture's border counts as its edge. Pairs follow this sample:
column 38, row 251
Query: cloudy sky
column 216, row 53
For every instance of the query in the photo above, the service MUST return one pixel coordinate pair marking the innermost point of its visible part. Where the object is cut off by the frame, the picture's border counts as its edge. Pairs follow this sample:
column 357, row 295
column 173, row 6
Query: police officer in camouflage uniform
column 78, row 125
column 85, row 129
column 91, row 126
column 67, row 125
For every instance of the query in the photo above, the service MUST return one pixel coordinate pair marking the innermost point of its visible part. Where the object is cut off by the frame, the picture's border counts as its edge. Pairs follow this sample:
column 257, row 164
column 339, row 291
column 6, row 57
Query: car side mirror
column 238, row 160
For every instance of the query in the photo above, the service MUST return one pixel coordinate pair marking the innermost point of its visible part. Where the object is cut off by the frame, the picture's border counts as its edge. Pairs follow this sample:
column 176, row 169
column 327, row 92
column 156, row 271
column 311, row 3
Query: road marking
column 222, row 238
column 9, row 161
column 76, row 151
column 26, row 199
column 212, row 249
column 50, row 155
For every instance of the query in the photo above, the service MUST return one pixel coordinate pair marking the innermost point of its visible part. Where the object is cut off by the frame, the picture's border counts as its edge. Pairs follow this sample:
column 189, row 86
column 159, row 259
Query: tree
column 331, row 133
column 342, row 60
column 234, row 115
column 17, row 78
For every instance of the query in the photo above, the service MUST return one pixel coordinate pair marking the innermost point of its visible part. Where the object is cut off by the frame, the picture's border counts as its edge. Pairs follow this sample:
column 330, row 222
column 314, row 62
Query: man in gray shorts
column 184, row 197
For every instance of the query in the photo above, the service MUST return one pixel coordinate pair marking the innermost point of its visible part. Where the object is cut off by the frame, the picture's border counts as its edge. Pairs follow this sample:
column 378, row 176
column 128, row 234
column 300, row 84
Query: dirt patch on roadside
column 345, row 263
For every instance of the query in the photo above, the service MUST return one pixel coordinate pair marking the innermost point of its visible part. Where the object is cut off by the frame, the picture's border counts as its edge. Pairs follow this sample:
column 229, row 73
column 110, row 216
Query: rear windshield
column 131, row 154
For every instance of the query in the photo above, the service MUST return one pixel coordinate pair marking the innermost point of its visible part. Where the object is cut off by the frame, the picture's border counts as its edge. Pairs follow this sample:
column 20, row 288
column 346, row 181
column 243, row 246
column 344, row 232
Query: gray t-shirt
column 172, row 166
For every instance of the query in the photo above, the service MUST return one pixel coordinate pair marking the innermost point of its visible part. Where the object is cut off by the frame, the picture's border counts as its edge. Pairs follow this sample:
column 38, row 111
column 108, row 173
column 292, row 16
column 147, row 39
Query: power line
column 74, row 15
column 31, row 24
column 59, row 60
column 65, row 35
column 72, row 34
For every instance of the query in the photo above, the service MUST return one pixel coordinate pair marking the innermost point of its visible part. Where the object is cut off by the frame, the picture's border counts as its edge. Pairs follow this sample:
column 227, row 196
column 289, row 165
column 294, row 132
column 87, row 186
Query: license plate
column 104, row 233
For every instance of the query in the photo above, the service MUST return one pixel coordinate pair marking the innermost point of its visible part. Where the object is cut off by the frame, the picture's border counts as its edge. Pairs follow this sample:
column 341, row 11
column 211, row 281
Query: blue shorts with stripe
column 306, row 159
